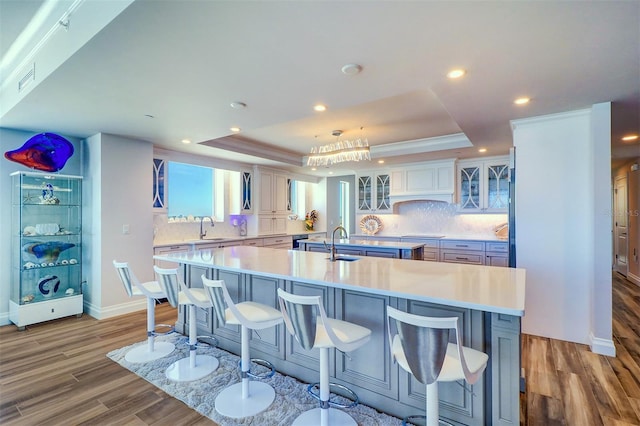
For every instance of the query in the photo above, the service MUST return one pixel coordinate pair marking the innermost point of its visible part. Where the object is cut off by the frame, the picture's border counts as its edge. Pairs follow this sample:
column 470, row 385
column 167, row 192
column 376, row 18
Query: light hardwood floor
column 57, row 373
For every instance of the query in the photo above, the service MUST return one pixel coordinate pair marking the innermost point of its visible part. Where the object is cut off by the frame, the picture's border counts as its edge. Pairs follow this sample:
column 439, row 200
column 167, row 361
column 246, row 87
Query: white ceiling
column 184, row 62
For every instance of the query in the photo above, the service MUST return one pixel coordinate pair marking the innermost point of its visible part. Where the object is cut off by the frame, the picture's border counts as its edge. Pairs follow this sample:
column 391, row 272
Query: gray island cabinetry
column 361, row 247
column 488, row 300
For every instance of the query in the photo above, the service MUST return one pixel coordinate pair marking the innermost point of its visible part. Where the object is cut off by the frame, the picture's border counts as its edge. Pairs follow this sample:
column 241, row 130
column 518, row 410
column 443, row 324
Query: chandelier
column 340, row 151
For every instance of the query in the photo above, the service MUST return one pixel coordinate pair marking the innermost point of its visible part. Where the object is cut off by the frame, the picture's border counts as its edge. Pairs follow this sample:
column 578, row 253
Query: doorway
column 620, row 225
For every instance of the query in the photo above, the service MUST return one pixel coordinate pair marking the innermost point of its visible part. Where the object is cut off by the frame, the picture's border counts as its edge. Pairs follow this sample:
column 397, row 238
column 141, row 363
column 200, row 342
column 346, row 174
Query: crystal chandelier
column 340, row 151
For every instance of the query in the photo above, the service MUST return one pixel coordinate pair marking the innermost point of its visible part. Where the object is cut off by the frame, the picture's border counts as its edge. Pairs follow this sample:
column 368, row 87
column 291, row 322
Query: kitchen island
column 362, row 247
column 489, row 302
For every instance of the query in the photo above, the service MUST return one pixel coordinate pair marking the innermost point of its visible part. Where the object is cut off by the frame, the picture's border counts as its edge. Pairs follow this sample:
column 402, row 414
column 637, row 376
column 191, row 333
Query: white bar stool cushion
column 451, row 369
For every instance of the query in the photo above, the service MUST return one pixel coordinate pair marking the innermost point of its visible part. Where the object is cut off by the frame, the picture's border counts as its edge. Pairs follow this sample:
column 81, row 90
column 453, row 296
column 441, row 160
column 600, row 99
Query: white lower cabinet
column 269, row 224
column 282, row 242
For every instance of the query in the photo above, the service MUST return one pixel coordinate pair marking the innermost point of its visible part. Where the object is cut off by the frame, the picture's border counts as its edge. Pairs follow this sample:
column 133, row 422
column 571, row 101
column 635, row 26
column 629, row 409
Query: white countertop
column 484, row 288
column 435, row 236
column 222, row 239
column 354, row 242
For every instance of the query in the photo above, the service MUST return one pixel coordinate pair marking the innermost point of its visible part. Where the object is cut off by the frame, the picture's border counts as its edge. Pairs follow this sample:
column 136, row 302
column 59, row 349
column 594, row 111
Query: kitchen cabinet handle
column 461, row 258
column 279, row 241
column 462, row 245
column 174, row 247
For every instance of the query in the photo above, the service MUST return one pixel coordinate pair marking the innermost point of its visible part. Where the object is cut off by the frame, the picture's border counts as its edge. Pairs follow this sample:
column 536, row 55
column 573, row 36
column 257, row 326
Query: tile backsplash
column 432, row 217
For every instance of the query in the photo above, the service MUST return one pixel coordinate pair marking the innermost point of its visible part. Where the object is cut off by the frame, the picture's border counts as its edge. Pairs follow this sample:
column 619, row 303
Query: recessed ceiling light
column 314, row 169
column 186, row 141
column 482, row 150
column 319, row 108
column 630, row 138
column 351, row 69
column 234, row 129
column 330, row 173
column 238, row 105
column 522, row 101
column 457, row 73
column 380, row 161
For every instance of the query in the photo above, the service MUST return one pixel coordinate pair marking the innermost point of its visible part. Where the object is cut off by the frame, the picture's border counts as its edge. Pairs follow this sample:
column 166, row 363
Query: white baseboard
column 633, row 278
column 113, row 311
column 602, row 346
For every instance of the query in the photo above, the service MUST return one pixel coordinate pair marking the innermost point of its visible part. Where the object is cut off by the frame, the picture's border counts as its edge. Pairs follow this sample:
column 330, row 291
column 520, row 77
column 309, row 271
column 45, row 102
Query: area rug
column 291, row 395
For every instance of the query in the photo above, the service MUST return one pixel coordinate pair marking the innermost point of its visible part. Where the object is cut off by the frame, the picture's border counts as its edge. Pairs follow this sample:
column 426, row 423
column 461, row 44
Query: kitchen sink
column 345, row 259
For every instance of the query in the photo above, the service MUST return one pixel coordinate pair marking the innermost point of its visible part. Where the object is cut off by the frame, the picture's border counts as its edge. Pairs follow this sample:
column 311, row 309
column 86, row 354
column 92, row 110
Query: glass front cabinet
column 373, row 193
column 483, row 186
column 46, row 247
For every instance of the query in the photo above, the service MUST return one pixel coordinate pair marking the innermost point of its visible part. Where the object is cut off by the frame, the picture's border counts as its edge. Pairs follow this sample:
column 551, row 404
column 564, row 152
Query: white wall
column 561, row 187
column 118, row 175
column 9, row 141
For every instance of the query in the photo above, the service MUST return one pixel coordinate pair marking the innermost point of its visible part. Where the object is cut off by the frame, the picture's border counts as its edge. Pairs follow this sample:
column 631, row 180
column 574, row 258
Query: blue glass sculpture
column 46, row 252
column 48, row 285
column 47, row 152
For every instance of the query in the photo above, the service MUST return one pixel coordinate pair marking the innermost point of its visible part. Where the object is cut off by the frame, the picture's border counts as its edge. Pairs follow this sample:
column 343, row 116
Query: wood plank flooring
column 567, row 384
column 56, row 373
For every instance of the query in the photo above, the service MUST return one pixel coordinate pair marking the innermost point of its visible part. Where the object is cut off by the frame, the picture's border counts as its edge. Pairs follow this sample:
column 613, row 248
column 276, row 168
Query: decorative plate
column 370, row 224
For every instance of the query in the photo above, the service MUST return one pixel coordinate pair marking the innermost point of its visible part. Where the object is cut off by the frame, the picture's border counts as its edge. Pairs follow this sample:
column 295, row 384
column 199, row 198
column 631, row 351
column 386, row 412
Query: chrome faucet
column 202, row 232
column 343, row 232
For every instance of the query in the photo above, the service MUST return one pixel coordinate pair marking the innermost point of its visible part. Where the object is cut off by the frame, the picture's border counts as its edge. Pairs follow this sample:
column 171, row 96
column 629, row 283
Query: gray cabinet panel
column 393, row 254
column 505, row 369
column 368, row 367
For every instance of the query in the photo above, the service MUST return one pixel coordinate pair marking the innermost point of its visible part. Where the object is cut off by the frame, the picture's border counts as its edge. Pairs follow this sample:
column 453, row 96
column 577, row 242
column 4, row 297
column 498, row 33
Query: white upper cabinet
column 483, row 185
column 274, row 192
column 374, row 189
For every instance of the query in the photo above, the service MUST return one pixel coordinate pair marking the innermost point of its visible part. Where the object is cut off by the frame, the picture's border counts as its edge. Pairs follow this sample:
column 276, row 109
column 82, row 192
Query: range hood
column 399, row 200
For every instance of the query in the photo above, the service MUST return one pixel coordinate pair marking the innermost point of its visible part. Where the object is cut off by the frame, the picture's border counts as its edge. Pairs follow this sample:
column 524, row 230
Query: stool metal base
column 354, row 397
column 180, row 371
column 141, row 352
column 230, row 403
column 313, row 417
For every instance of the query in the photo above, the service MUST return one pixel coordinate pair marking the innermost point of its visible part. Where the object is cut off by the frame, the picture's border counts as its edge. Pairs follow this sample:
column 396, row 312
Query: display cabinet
column 46, row 241
column 483, row 185
column 373, row 192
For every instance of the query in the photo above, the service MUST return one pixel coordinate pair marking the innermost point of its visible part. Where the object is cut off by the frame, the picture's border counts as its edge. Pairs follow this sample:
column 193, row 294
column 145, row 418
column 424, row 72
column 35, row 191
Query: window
column 190, row 190
column 297, row 196
column 344, row 206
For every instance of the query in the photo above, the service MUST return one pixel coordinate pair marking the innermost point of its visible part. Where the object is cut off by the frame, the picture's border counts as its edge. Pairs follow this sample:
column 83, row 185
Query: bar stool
column 194, row 366
column 152, row 350
column 246, row 398
column 421, row 346
column 307, row 321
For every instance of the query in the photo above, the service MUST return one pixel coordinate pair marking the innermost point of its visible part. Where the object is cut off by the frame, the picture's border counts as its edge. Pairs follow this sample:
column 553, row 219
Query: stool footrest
column 316, row 394
column 409, row 420
column 263, row 363
column 204, row 339
column 163, row 333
